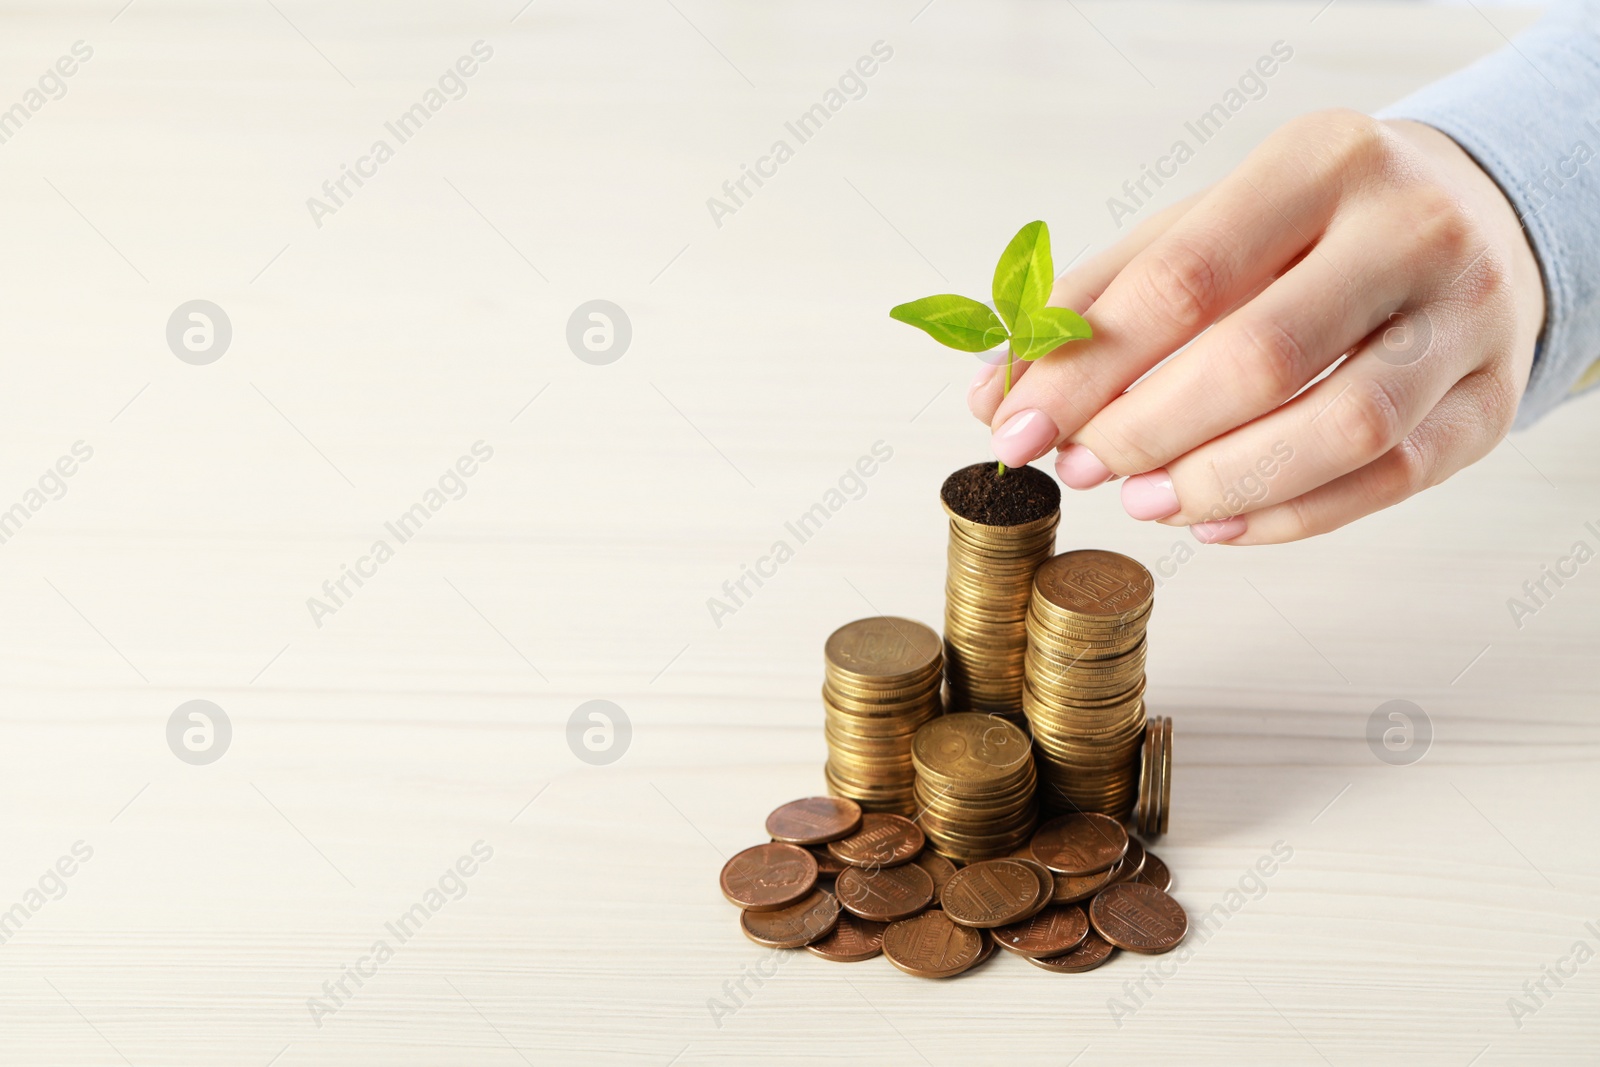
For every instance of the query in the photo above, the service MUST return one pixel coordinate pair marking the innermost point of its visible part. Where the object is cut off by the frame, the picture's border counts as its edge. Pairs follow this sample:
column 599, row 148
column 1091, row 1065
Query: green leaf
column 952, row 320
column 1024, row 275
column 1046, row 329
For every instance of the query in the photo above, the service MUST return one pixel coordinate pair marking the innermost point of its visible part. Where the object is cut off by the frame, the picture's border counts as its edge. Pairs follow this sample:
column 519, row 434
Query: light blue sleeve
column 1530, row 115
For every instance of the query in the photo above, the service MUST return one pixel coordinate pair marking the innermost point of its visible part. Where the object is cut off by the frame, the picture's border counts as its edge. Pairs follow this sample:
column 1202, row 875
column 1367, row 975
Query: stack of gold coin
column 1084, row 696
column 883, row 681
column 1002, row 527
column 975, row 784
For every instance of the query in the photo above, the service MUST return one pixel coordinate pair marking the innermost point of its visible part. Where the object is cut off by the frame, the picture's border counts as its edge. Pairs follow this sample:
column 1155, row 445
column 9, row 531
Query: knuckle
column 1348, row 141
column 1297, row 519
column 1180, row 283
column 1482, row 284
column 1404, row 471
column 1367, row 420
column 1269, row 360
column 1442, row 225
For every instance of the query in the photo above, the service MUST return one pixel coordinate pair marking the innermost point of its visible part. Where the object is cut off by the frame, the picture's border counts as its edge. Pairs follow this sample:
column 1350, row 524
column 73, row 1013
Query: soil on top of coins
column 980, row 493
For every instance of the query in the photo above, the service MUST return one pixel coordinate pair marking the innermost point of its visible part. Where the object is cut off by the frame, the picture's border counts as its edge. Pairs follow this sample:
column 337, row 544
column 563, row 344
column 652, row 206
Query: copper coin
column 768, row 877
column 1080, row 843
column 1047, row 883
column 852, row 941
column 827, row 865
column 799, row 924
column 940, row 869
column 1155, row 873
column 1130, row 866
column 991, row 893
column 883, row 840
column 1053, row 931
column 884, row 894
column 988, row 947
column 1094, row 951
column 1139, row 918
column 814, row 820
column 931, row 946
column 1074, row 888
column 1166, row 774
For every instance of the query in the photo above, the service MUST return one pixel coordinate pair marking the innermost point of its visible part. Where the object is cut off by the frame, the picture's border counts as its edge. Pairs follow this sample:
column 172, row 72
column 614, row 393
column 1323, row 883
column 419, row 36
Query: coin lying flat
column 1139, row 918
column 1080, row 843
column 798, row 924
column 1155, row 872
column 939, row 869
column 1075, row 888
column 882, row 647
column 1095, row 584
column 1094, row 951
column 1055, row 930
column 931, row 946
column 883, row 894
column 768, row 877
column 814, row 820
column 883, row 840
column 852, row 941
column 991, row 893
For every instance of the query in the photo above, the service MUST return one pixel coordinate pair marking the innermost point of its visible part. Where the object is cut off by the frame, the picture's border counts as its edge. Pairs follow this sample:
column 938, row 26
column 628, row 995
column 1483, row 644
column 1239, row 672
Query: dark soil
column 979, row 493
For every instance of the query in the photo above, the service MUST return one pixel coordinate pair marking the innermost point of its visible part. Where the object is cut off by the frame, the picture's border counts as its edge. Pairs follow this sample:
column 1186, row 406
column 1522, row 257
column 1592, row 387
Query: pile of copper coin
column 1084, row 696
column 848, row 886
column 882, row 683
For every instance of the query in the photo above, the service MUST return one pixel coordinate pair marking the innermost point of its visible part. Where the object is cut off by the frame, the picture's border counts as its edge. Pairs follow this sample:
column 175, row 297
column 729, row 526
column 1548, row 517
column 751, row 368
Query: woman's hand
column 1340, row 236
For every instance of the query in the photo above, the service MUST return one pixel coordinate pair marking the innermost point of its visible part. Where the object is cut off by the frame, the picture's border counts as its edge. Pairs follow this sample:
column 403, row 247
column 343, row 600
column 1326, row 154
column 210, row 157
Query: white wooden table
column 375, row 744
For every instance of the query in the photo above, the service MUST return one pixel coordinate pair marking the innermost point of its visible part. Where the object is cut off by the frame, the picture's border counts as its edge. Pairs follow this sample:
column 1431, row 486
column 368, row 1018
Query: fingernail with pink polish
column 1024, row 438
column 1211, row 533
column 1149, row 496
column 1078, row 468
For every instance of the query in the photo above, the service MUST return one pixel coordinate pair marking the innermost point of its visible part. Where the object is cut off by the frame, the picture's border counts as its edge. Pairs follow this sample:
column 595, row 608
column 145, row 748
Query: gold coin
column 882, row 647
column 1094, row 583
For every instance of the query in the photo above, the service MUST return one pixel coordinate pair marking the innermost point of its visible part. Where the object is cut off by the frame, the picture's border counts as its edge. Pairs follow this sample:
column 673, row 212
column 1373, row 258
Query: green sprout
column 1022, row 281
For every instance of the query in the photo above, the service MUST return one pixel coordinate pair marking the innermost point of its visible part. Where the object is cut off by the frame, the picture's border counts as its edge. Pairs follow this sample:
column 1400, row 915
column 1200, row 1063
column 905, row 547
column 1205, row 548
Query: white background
column 370, row 752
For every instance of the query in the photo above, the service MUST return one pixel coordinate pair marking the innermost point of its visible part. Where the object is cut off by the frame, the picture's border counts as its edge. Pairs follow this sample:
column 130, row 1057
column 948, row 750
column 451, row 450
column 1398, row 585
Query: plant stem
column 1005, row 392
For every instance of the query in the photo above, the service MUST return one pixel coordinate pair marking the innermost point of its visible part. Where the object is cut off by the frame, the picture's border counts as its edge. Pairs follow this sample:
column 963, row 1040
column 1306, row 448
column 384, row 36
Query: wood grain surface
column 399, row 769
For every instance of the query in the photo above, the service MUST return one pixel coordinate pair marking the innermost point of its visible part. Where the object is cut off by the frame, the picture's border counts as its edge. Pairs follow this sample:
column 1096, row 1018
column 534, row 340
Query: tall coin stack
column 1002, row 527
column 1084, row 695
column 975, row 782
column 883, row 680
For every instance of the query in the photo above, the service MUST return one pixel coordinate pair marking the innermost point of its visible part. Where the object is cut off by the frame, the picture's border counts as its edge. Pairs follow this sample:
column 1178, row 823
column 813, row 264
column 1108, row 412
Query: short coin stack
column 1155, row 778
column 1084, row 696
column 883, row 681
column 1001, row 528
column 933, row 920
column 975, row 785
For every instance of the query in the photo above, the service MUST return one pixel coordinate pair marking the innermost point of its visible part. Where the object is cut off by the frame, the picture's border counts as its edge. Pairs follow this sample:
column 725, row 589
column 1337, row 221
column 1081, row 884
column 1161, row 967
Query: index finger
column 1242, row 233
